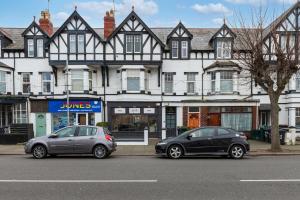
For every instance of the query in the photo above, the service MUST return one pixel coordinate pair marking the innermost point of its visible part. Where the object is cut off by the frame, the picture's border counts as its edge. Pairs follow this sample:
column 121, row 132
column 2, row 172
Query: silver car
column 73, row 140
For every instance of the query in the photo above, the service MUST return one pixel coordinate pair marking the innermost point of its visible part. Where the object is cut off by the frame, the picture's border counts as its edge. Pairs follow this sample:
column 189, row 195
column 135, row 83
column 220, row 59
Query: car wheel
column 100, row 152
column 175, row 152
column 237, row 152
column 39, row 152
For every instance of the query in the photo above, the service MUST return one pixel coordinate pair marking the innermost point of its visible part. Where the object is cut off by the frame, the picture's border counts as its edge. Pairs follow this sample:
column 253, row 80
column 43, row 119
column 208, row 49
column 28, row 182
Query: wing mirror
column 189, row 137
column 53, row 136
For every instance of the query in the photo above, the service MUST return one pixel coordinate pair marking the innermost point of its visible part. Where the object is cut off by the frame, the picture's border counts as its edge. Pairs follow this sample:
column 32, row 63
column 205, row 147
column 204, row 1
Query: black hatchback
column 205, row 141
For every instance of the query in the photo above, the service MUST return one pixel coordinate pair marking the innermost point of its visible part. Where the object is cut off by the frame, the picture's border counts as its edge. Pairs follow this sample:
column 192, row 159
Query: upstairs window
column 298, row 80
column 77, row 80
column 46, row 82
column 26, row 83
column 184, row 49
column 133, row 43
column 80, row 43
column 72, row 43
column 226, row 81
column 169, row 82
column 30, row 48
column 174, row 49
column 223, row 49
column 133, row 80
column 40, row 47
column 287, row 43
column 2, row 82
column 191, row 82
column 90, row 80
column 213, row 82
column 0, row 48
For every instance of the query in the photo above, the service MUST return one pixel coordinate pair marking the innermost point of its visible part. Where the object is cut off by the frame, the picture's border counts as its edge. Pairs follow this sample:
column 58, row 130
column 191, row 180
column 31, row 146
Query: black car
column 205, row 141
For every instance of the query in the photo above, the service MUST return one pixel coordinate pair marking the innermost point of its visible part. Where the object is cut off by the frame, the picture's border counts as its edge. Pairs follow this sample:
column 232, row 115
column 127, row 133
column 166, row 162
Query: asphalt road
column 130, row 178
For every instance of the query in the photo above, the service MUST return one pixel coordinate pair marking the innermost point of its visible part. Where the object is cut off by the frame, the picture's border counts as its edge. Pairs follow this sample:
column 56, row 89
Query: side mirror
column 53, row 136
column 189, row 137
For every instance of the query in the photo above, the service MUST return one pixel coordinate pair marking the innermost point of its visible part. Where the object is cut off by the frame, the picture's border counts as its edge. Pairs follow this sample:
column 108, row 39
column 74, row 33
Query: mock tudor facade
column 134, row 77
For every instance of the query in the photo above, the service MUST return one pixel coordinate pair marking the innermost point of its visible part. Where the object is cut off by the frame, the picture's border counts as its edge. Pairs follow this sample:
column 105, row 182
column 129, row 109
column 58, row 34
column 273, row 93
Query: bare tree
column 271, row 57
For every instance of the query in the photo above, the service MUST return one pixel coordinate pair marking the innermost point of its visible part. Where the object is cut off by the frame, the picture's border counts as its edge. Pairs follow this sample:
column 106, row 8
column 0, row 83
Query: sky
column 155, row 13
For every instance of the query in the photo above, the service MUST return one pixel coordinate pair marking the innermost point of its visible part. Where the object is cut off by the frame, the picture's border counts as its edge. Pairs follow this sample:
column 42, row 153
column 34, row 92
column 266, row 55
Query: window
column 226, row 82
column 223, row 49
column 174, row 49
column 2, row 82
column 0, row 48
column 90, row 80
column 66, row 132
column 213, row 82
column 194, row 109
column 184, row 49
column 40, row 48
column 77, row 80
column 169, row 82
column 26, row 83
column 287, row 42
column 80, row 43
column 72, row 43
column 222, row 131
column 30, row 48
column 298, row 80
column 133, row 80
column 203, row 132
column 133, row 43
column 87, row 131
column 297, row 117
column 20, row 113
column 191, row 82
column 46, row 82
column 237, row 121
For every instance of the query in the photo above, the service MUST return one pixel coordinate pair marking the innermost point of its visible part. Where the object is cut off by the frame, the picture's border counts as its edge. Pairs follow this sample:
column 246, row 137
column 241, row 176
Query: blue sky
column 156, row 13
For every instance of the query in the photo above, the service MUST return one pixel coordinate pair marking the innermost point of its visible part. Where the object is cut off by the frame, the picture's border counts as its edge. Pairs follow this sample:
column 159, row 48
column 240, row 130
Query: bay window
column 30, row 47
column 2, row 82
column 226, row 81
column 40, row 48
column 213, row 82
column 191, row 82
column 297, row 117
column 26, row 83
column 184, row 49
column 46, row 82
column 77, row 80
column 133, row 43
column 169, row 82
column 223, row 49
column 174, row 49
column 133, row 80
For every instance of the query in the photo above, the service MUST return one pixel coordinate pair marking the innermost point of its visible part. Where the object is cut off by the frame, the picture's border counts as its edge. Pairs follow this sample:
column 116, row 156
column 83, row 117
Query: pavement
column 257, row 148
column 149, row 178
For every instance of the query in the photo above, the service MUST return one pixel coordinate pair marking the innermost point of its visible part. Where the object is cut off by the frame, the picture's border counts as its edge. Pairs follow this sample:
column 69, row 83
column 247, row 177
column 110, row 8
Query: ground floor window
column 5, row 115
column 20, row 113
column 237, row 121
column 297, row 117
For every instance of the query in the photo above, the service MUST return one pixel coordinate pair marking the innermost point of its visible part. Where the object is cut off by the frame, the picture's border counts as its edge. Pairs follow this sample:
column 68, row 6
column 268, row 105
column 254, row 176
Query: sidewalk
column 258, row 148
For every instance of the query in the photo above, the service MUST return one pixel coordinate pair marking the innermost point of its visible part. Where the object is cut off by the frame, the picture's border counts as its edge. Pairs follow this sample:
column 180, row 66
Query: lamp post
column 68, row 98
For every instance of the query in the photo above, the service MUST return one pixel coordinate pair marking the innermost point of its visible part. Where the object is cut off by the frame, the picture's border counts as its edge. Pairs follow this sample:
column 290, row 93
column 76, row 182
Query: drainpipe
column 202, row 96
column 14, row 69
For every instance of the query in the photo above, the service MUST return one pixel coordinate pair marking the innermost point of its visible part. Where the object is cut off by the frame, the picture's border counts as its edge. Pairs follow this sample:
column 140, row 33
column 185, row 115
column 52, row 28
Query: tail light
column 108, row 137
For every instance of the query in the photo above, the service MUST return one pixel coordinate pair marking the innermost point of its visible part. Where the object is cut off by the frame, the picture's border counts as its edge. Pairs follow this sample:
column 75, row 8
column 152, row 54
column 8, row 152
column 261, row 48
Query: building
column 133, row 77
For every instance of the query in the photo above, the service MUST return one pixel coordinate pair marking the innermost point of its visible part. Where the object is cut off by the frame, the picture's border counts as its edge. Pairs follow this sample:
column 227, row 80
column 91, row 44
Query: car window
column 66, row 132
column 106, row 131
column 222, row 131
column 87, row 131
column 204, row 132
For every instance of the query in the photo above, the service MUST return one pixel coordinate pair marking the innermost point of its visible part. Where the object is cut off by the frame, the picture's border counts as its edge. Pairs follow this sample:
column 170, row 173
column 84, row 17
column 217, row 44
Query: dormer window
column 184, row 49
column 133, row 43
column 30, row 43
column 174, row 49
column 40, row 48
column 223, row 49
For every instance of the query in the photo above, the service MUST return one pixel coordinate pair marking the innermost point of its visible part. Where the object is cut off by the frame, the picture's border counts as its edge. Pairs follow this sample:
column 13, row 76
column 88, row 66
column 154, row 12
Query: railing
column 16, row 133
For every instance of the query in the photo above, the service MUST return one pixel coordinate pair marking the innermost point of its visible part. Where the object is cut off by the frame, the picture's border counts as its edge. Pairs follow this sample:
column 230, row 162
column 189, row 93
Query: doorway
column 81, row 118
column 171, row 121
column 40, row 124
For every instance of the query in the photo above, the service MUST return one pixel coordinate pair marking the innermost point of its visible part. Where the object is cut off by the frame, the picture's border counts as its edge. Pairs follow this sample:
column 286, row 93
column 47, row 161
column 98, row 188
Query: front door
column 81, row 119
column 40, row 124
column 214, row 120
column 171, row 121
column 64, row 142
column 200, row 141
column 194, row 120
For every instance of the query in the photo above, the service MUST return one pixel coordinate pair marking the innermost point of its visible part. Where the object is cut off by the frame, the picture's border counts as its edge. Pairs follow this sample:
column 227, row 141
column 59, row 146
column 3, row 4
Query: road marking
column 272, row 180
column 78, row 181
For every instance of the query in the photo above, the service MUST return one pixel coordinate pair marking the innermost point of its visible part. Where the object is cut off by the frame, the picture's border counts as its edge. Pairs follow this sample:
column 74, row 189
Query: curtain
column 237, row 121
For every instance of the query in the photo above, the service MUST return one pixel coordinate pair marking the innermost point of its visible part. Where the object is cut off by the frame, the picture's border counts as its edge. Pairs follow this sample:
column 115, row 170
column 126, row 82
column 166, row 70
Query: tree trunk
column 275, row 138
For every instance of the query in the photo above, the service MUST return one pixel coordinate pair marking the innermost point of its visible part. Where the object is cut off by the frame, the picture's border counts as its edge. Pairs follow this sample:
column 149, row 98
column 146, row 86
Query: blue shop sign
column 74, row 106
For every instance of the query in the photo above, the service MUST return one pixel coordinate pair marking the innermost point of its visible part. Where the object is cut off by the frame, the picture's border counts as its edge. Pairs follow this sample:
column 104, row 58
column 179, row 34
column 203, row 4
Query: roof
column 5, row 65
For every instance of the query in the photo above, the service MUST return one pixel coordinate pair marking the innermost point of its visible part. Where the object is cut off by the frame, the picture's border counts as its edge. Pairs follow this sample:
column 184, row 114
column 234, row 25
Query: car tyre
column 175, row 152
column 100, row 152
column 39, row 151
column 237, row 152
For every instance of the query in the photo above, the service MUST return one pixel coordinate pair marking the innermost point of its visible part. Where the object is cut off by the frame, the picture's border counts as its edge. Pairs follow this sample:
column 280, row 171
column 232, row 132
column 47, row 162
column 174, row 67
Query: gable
column 180, row 31
column 34, row 30
column 224, row 32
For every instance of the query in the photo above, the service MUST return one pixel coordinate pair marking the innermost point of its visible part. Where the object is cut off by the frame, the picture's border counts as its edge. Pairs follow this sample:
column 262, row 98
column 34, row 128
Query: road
column 137, row 177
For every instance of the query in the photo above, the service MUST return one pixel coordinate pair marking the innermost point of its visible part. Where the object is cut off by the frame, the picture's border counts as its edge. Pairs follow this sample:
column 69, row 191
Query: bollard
column 146, row 133
column 163, row 133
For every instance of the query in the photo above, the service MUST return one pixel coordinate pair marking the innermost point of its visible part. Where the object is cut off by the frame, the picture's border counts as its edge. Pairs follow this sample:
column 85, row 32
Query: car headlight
column 31, row 140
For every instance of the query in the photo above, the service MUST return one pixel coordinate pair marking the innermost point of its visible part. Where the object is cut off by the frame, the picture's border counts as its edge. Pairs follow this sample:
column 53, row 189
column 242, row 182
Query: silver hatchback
column 73, row 140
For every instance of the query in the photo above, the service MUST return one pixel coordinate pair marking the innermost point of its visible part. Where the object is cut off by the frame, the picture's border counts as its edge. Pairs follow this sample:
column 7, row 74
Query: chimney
column 109, row 23
column 45, row 22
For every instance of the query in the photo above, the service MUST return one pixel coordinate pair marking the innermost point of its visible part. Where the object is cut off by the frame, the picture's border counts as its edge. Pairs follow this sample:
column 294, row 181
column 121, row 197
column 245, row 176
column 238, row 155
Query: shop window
column 191, row 82
column 26, row 83
column 30, row 47
column 169, row 82
column 297, row 117
column 20, row 113
column 77, row 80
column 40, row 47
column 226, row 81
column 2, row 82
column 46, row 82
column 223, row 49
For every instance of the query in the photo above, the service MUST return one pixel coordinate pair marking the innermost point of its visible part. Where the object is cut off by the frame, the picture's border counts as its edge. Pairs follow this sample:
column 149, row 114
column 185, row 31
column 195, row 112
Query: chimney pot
column 109, row 23
column 45, row 22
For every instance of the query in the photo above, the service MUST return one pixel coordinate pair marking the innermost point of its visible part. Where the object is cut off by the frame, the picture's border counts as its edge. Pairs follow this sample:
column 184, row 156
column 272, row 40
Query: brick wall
column 203, row 116
column 185, row 116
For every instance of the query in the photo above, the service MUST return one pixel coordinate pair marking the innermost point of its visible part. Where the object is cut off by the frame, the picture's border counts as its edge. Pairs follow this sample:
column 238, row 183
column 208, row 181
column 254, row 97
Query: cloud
column 252, row 2
column 211, row 8
column 218, row 21
column 144, row 7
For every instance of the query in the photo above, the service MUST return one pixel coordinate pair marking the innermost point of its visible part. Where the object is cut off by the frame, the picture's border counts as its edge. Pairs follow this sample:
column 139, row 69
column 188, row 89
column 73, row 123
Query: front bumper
column 27, row 148
column 161, row 149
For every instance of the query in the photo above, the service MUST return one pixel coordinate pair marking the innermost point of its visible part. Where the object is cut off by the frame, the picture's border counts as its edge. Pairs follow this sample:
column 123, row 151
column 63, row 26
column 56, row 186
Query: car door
column 199, row 141
column 222, row 140
column 85, row 139
column 63, row 143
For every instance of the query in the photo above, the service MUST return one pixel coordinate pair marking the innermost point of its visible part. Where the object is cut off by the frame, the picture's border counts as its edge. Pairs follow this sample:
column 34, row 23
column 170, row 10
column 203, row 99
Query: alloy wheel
column 175, row 152
column 237, row 152
column 100, row 152
column 39, row 152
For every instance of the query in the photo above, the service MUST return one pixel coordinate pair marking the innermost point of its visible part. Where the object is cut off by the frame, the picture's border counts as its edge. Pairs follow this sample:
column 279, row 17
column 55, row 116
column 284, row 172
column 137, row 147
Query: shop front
column 128, row 120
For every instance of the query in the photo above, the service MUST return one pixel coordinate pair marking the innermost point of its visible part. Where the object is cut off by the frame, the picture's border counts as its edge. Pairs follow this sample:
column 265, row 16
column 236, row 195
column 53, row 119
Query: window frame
column 46, row 81
column 221, row 48
column 224, row 77
column 18, row 111
column 3, row 82
column 175, row 47
column 169, row 78
column 81, row 78
column 131, row 40
column 72, row 44
column 39, row 48
column 213, row 78
column 79, row 42
column 189, row 81
column 30, row 44
column 26, row 83
column 184, row 49
column 90, row 80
